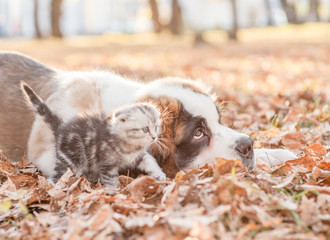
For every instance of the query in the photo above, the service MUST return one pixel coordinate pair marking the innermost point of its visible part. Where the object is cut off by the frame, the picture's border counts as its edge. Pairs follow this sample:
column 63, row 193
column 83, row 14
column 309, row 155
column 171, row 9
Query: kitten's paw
column 160, row 176
column 51, row 181
column 110, row 183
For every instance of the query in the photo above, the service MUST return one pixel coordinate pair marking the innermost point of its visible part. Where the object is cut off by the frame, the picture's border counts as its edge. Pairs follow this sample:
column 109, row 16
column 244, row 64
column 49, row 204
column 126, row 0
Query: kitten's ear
column 109, row 118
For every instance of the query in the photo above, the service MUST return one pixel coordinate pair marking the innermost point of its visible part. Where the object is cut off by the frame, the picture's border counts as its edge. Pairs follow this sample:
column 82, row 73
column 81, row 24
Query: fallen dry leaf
column 223, row 166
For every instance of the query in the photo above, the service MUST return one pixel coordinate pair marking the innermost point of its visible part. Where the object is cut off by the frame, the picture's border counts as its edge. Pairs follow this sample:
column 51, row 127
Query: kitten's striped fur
column 99, row 146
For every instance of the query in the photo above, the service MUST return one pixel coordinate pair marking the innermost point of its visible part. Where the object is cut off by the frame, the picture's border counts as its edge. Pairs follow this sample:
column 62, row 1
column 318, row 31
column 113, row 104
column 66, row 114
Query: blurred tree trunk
column 36, row 21
column 290, row 12
column 313, row 10
column 199, row 38
column 155, row 16
column 232, row 34
column 55, row 18
column 176, row 24
column 269, row 13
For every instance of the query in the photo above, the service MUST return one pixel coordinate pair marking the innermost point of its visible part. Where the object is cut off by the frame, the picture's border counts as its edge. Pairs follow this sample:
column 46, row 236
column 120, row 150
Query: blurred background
column 61, row 18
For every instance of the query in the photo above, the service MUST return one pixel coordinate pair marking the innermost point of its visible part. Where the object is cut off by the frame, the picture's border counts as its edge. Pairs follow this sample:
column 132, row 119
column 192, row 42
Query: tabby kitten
column 98, row 146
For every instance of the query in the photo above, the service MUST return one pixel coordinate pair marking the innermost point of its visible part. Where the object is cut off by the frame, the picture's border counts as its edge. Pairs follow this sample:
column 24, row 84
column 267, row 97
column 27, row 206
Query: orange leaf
column 317, row 150
column 293, row 140
column 305, row 161
column 22, row 180
column 223, row 166
column 282, row 171
column 178, row 177
column 7, row 168
column 98, row 221
column 324, row 165
column 142, row 187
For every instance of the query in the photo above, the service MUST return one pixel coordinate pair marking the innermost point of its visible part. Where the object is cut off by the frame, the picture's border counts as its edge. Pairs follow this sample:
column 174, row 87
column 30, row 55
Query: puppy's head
column 192, row 134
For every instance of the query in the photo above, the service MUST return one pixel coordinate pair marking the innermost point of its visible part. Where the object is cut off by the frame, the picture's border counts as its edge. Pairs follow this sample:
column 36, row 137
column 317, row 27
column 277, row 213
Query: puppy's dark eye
column 145, row 129
column 199, row 134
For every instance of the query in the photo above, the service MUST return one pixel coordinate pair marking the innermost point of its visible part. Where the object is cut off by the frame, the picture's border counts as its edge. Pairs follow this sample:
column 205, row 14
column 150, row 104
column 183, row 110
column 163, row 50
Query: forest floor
column 276, row 91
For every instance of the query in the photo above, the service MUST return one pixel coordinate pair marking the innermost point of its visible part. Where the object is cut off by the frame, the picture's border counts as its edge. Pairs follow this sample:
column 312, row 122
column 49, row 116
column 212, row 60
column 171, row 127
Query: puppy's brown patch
column 194, row 87
column 186, row 84
column 84, row 95
column 170, row 110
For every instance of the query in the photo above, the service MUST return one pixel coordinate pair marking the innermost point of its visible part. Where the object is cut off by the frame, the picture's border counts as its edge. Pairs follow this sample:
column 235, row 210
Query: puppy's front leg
column 149, row 165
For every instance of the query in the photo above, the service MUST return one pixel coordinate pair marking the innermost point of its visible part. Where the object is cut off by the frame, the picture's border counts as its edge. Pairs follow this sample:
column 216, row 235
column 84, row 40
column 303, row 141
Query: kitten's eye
column 145, row 129
column 198, row 134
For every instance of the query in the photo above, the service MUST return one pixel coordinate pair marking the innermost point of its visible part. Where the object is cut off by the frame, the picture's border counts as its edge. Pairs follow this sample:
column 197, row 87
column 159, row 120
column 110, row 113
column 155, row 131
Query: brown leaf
column 306, row 161
column 227, row 190
column 22, row 180
column 56, row 193
column 143, row 188
column 100, row 220
column 7, row 168
column 158, row 233
column 293, row 140
column 37, row 195
column 317, row 150
column 324, row 165
column 247, row 228
column 64, row 180
column 316, row 173
column 309, row 211
column 201, row 232
column 319, row 173
column 178, row 176
column 191, row 174
column 283, row 170
column 223, row 166
column 125, row 180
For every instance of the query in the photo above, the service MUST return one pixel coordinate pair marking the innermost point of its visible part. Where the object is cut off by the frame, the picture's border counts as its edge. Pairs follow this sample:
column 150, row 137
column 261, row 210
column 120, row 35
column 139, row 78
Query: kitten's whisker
column 164, row 110
column 165, row 113
column 165, row 118
column 159, row 148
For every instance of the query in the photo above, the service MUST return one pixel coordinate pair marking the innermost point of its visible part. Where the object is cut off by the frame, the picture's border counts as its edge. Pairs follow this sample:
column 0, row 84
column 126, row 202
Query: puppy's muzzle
column 244, row 148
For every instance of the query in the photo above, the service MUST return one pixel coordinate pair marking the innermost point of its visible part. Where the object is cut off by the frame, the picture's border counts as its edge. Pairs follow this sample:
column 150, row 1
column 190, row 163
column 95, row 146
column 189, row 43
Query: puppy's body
column 192, row 134
column 15, row 118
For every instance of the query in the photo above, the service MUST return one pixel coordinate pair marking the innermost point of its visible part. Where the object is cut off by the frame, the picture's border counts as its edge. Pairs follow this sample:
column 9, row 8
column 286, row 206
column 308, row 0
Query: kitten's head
column 138, row 123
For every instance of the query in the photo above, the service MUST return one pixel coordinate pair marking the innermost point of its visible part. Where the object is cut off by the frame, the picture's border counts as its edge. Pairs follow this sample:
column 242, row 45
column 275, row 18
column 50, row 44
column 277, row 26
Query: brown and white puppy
column 192, row 134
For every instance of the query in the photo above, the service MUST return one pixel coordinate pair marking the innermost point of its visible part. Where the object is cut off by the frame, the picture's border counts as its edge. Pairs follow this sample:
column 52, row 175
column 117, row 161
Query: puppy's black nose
column 244, row 147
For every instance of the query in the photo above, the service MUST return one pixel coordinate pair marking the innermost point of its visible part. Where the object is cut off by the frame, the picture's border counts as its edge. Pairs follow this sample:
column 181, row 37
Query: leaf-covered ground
column 277, row 92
